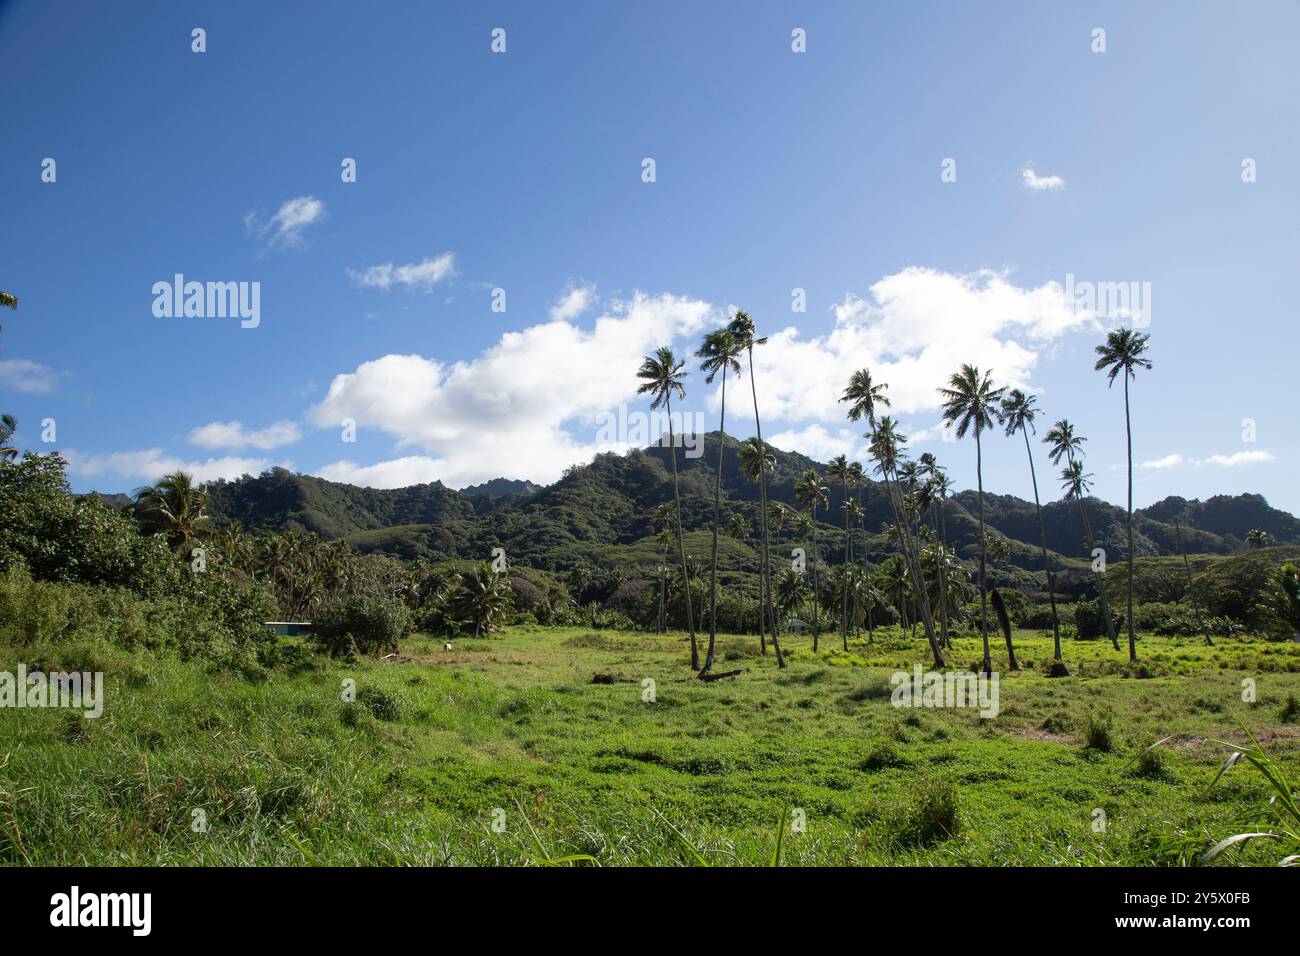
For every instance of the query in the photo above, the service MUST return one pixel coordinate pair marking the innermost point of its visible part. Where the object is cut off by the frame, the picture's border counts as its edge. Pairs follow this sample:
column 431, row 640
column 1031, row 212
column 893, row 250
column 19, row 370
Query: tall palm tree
column 971, row 402
column 1019, row 411
column 178, row 504
column 719, row 353
column 939, row 488
column 839, row 470
column 743, row 329
column 756, row 460
column 864, row 396
column 662, row 376
column 1062, row 442
column 1123, row 352
column 810, row 492
column 8, row 300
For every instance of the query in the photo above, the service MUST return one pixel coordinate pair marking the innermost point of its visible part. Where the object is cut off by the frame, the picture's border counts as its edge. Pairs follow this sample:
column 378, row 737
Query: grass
column 504, row 751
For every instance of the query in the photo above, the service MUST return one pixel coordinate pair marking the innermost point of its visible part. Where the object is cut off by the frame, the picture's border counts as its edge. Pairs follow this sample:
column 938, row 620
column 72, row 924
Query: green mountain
column 600, row 512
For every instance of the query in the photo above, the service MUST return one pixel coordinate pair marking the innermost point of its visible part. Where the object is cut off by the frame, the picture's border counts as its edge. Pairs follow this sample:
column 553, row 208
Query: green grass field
column 192, row 767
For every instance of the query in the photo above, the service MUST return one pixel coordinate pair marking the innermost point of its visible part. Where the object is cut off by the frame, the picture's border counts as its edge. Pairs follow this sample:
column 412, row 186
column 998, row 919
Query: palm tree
column 756, row 460
column 719, row 353
column 839, row 469
column 1064, row 443
column 791, row 591
column 1256, row 538
column 810, row 492
column 662, row 374
column 1122, row 352
column 939, row 486
column 864, row 397
column 743, row 330
column 8, row 300
column 483, row 598
column 1019, row 411
column 178, row 504
column 970, row 401
column 1187, row 573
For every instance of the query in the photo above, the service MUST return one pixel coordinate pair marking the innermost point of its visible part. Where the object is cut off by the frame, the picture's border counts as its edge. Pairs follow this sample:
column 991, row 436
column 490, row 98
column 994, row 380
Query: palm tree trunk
column 681, row 543
column 816, row 595
column 717, row 508
column 1101, row 576
column 913, row 558
column 762, row 497
column 944, row 639
column 844, row 602
column 984, row 614
column 1128, row 429
column 1047, row 567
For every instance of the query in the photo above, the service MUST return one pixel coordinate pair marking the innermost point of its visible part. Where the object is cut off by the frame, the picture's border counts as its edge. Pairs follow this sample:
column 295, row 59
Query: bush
column 366, row 623
column 1096, row 733
column 1089, row 622
column 933, row 817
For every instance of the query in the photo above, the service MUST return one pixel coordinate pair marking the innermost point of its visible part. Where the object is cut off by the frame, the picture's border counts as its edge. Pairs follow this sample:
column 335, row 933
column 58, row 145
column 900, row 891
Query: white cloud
column 423, row 275
column 1175, row 460
column 1161, row 464
column 233, row 435
column 527, row 406
column 818, row 443
column 1237, row 458
column 150, row 464
column 1038, row 183
column 24, row 375
column 916, row 328
column 285, row 228
column 575, row 301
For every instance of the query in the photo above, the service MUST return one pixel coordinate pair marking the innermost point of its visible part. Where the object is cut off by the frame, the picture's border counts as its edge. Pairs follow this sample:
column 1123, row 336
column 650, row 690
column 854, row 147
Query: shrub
column 933, row 817
column 1089, row 621
column 1290, row 711
column 1096, row 733
column 370, row 623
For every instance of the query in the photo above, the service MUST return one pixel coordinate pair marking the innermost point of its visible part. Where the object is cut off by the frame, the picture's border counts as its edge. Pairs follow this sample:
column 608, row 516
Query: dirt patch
column 1268, row 736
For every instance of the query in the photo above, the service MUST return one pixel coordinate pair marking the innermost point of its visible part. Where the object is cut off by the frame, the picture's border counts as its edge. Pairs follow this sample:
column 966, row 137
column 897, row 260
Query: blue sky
column 523, row 171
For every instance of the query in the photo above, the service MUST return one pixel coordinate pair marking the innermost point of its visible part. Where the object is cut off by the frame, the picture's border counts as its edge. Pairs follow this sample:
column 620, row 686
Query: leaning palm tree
column 840, row 470
column 810, row 492
column 970, row 402
column 719, row 353
column 177, row 504
column 662, row 376
column 1123, row 352
column 864, row 397
column 1062, row 442
column 1019, row 411
column 743, row 329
